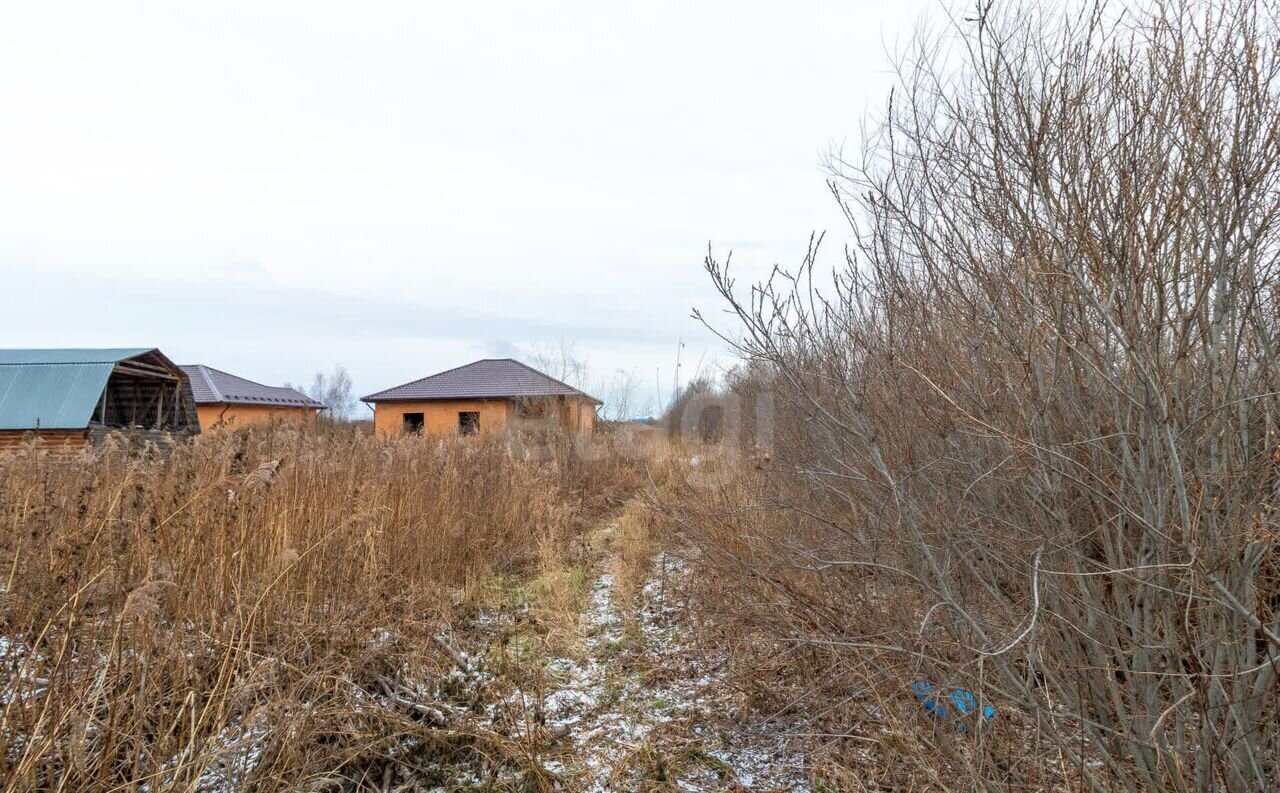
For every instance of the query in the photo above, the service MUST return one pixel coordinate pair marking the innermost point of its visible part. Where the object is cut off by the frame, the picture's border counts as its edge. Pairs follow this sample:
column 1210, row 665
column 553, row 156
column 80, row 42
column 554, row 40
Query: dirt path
column 636, row 705
column 643, row 708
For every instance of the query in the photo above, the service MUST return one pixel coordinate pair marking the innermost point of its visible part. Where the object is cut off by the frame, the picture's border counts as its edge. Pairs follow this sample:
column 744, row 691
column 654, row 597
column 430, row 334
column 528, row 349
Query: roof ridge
column 206, row 368
column 221, row 396
column 204, row 374
column 56, row 363
column 22, row 356
column 429, row 377
column 486, row 383
column 549, row 377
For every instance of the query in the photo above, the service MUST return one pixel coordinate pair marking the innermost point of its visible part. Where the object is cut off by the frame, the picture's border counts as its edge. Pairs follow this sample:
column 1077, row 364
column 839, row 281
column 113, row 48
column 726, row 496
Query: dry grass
column 636, row 538
column 277, row 596
column 831, row 651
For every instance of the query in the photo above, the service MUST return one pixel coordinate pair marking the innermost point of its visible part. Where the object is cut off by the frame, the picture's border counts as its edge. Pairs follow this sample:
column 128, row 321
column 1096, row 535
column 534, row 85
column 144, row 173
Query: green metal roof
column 10, row 357
column 54, row 389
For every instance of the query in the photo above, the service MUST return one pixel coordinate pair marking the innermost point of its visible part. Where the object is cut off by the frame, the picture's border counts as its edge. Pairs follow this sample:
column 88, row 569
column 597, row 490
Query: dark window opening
column 413, row 423
column 468, row 422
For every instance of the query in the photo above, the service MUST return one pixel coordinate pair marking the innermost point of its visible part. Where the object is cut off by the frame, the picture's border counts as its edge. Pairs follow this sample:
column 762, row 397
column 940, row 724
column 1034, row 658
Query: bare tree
column 561, row 362
column 335, row 392
column 621, row 396
column 1039, row 405
column 619, row 392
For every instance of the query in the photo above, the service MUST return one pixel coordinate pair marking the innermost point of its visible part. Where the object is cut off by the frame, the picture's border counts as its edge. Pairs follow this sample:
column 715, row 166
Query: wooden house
column 224, row 400
column 490, row 395
column 68, row 398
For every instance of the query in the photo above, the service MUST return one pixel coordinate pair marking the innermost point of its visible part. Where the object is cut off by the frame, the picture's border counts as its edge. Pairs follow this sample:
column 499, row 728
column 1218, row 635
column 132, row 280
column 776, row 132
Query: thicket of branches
column 697, row 412
column 1026, row 442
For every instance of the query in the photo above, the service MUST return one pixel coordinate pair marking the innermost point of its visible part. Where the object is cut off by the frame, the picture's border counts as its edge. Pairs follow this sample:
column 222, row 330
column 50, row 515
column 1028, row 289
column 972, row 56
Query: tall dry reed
column 262, row 609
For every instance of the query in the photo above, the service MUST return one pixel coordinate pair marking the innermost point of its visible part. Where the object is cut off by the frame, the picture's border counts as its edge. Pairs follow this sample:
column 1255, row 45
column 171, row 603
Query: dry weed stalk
column 262, row 609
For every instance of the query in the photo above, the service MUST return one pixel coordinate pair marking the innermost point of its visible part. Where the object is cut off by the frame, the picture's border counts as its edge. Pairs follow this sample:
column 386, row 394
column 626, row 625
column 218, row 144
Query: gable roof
column 491, row 378
column 216, row 387
column 56, row 389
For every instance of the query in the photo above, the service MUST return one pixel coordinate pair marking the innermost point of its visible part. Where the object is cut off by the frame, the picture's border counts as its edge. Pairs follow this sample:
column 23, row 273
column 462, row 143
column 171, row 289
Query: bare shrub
column 1026, row 441
column 696, row 413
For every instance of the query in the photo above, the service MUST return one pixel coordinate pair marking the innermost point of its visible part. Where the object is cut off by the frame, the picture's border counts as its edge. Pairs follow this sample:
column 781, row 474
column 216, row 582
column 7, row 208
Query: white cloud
column 272, row 187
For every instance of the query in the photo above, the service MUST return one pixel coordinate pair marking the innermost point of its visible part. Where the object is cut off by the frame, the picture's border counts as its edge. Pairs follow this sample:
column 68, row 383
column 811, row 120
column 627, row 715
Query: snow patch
column 608, row 714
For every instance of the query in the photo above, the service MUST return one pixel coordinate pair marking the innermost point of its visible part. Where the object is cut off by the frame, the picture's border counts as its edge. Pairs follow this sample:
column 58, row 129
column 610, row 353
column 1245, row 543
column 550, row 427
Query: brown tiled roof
column 216, row 387
column 491, row 378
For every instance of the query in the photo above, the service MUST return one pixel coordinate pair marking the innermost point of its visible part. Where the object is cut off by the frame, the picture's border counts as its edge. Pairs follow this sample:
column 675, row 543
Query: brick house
column 485, row 396
column 226, row 401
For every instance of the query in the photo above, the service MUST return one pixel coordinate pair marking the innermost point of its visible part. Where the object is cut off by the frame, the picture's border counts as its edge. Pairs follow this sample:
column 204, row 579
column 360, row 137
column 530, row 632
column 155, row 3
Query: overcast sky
column 274, row 188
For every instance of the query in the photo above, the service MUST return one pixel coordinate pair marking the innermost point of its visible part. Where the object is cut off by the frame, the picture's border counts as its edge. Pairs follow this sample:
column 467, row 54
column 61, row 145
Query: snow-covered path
column 642, row 704
column 638, row 705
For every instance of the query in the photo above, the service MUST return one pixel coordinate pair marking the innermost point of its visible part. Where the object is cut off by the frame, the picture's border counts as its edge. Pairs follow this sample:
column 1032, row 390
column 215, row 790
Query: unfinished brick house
column 490, row 395
column 70, row 397
column 226, row 401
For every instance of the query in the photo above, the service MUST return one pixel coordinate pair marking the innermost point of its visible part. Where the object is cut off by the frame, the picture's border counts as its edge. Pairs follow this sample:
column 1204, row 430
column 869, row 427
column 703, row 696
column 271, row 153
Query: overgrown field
column 274, row 610
column 994, row 507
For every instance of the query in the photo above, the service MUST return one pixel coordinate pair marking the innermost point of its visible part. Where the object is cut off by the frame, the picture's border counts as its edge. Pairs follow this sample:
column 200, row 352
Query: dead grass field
column 286, row 610
column 278, row 610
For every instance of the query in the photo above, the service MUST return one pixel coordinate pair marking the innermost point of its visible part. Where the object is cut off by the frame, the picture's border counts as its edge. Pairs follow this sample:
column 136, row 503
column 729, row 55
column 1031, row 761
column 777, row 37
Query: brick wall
column 233, row 416
column 440, row 417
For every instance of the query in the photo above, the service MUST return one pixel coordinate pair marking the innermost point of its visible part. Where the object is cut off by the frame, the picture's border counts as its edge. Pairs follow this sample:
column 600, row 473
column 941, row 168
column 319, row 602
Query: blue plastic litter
column 962, row 702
